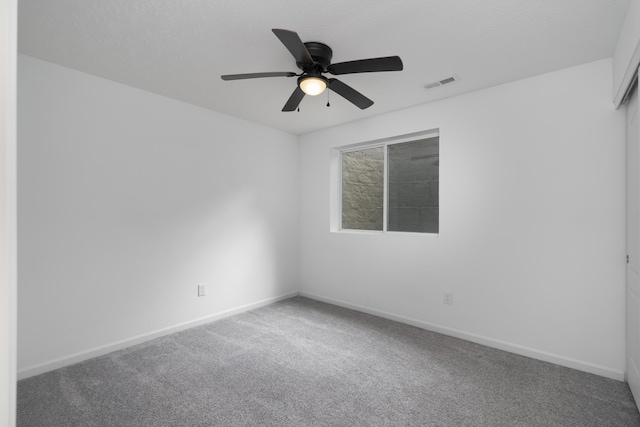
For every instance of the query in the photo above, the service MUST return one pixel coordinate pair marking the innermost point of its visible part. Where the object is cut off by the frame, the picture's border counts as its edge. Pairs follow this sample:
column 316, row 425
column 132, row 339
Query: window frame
column 336, row 181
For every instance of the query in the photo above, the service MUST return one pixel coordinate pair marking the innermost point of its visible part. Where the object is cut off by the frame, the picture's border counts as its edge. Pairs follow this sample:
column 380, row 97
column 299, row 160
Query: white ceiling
column 179, row 48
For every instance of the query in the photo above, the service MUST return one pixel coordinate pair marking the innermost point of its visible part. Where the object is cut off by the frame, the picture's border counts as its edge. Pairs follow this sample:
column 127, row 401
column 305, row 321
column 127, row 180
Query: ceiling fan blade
column 294, row 100
column 257, row 75
column 350, row 94
column 387, row 63
column 291, row 41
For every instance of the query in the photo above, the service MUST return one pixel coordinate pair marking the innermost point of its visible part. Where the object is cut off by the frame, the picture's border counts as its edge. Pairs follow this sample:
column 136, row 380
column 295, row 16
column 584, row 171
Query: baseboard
column 533, row 353
column 633, row 378
column 489, row 342
column 119, row 345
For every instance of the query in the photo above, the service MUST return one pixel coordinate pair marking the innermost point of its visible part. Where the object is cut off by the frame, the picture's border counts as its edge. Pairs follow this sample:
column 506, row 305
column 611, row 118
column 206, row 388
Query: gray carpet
column 300, row 362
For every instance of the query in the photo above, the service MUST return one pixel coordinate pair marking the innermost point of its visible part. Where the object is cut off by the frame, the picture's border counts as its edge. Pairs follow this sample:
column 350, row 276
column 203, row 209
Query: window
column 363, row 189
column 391, row 186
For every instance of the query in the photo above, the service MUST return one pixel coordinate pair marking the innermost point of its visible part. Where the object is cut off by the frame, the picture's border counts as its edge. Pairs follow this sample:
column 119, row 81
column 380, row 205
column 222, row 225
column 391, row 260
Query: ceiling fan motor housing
column 321, row 55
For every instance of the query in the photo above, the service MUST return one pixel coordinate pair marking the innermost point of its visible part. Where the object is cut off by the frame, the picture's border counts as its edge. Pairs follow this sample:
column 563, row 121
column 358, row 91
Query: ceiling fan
column 314, row 59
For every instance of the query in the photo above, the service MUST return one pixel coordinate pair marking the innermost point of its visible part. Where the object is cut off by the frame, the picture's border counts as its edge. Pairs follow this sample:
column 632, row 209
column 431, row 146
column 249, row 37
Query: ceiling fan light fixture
column 312, row 85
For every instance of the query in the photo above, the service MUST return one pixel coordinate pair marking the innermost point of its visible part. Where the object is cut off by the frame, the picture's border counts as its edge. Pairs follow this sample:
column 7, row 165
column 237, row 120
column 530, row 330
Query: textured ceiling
column 179, row 48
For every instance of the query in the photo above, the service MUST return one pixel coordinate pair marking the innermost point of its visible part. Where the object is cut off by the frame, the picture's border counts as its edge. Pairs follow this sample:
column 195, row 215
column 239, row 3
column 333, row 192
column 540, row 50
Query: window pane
column 413, row 186
column 363, row 189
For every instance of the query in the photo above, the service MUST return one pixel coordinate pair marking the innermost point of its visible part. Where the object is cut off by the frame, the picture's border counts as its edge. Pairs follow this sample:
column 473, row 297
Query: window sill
column 392, row 233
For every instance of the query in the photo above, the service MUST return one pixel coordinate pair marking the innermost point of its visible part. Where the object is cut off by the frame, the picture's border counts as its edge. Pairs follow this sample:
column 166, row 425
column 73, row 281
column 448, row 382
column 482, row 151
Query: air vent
column 442, row 82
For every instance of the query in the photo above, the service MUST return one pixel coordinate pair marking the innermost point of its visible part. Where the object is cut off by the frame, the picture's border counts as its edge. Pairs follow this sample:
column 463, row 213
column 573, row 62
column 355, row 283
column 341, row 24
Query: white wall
column 532, row 217
column 127, row 200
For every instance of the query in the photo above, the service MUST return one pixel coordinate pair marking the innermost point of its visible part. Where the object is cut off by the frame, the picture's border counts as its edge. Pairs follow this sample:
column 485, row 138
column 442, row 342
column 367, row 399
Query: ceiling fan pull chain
column 328, row 105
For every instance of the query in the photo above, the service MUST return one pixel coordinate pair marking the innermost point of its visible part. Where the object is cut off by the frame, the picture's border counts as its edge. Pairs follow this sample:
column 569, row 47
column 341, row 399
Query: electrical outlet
column 202, row 289
column 447, row 297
